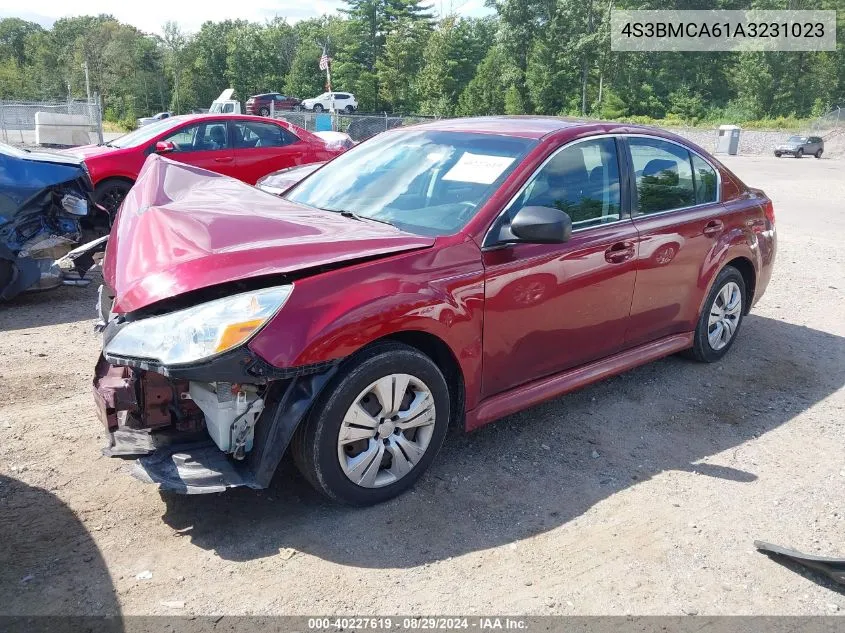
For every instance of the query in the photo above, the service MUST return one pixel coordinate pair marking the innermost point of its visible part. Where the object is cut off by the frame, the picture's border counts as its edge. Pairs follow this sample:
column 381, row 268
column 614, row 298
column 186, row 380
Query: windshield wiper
column 355, row 216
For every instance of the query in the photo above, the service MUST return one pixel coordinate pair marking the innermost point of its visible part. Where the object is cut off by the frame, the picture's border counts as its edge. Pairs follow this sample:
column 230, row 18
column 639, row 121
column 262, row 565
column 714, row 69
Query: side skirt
column 538, row 391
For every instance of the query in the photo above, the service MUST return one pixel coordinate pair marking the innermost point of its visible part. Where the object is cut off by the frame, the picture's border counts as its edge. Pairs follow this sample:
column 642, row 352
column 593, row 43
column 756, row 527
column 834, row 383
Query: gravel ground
column 639, row 495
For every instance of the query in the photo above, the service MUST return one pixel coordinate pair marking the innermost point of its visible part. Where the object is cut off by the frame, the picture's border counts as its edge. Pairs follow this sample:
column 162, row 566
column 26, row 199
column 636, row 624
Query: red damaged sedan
column 453, row 272
column 243, row 147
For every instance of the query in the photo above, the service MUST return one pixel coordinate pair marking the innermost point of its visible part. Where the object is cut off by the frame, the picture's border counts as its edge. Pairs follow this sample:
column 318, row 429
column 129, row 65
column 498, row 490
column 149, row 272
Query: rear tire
column 377, row 457
column 722, row 313
column 818, row 154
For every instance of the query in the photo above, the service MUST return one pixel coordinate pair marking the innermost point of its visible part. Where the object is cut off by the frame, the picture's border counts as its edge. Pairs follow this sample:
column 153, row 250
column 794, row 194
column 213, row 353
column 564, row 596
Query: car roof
column 535, row 127
column 180, row 118
column 539, row 127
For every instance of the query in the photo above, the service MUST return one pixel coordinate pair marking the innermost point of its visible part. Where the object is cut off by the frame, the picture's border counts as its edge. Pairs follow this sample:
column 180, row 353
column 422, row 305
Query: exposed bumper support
column 193, row 469
column 148, row 414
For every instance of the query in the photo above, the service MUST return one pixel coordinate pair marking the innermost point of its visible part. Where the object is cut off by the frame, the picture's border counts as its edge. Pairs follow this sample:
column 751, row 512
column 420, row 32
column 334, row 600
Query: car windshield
column 426, row 182
column 797, row 139
column 143, row 134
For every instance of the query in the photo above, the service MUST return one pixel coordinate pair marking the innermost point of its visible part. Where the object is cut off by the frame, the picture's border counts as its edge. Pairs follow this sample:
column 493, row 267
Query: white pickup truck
column 224, row 104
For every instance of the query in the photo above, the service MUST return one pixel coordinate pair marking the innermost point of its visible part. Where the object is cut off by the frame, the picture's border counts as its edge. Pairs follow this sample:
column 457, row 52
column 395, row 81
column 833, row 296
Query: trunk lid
column 182, row 228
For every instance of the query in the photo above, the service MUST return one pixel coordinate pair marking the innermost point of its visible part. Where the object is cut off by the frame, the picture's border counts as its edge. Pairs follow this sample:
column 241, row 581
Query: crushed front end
column 42, row 199
column 203, row 425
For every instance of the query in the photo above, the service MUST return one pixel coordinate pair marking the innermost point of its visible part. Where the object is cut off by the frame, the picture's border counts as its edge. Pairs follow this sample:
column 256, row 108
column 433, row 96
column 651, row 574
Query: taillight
column 769, row 210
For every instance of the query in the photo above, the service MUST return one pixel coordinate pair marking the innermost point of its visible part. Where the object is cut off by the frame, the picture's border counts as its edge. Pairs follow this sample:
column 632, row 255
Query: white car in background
column 152, row 119
column 338, row 101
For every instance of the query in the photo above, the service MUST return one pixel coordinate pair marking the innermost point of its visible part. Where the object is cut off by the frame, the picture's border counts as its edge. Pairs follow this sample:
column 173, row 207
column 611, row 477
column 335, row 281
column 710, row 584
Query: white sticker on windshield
column 478, row 168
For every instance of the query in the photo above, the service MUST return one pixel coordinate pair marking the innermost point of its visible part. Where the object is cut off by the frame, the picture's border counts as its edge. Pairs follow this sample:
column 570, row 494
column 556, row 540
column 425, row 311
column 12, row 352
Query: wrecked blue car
column 43, row 198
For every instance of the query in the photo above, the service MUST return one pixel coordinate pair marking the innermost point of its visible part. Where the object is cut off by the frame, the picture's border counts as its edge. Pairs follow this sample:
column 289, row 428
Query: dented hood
column 182, row 228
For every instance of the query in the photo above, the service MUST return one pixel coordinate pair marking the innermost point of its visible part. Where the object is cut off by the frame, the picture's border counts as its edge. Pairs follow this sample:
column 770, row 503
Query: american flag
column 324, row 61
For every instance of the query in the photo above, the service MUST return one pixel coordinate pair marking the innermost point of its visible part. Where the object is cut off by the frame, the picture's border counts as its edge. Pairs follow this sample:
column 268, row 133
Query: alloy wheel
column 724, row 316
column 386, row 431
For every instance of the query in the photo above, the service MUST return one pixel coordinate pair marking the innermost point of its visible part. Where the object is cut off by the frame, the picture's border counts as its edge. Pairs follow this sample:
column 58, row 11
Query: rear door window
column 663, row 175
column 257, row 135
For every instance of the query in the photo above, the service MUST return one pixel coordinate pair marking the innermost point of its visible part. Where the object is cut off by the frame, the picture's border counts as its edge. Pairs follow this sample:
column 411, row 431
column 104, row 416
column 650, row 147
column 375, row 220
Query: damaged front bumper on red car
column 153, row 417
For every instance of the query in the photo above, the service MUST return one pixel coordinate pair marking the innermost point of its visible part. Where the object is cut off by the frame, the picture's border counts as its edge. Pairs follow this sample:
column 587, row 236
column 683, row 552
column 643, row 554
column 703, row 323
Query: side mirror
column 541, row 225
column 165, row 147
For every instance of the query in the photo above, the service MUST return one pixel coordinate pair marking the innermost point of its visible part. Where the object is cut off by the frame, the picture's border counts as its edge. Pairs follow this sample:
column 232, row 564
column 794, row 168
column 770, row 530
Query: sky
column 150, row 15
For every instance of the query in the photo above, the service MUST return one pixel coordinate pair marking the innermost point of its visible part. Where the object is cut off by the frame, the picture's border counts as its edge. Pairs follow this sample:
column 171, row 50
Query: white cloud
column 150, row 15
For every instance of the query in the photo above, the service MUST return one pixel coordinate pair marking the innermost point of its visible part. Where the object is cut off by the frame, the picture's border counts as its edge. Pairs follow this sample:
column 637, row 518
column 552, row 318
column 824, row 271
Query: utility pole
column 87, row 83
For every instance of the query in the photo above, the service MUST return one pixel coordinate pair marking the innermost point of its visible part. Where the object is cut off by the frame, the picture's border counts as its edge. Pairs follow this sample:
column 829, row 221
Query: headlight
column 197, row 333
column 74, row 204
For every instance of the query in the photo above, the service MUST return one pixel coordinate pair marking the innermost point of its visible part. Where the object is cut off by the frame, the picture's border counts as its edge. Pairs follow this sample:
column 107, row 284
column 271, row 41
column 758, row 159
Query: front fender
column 438, row 291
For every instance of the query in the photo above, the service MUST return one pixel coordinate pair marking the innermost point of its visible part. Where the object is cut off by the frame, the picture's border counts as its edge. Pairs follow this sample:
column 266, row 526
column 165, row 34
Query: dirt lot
column 640, row 495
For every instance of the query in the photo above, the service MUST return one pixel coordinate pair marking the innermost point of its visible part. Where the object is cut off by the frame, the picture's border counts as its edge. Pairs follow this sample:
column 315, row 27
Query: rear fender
column 732, row 244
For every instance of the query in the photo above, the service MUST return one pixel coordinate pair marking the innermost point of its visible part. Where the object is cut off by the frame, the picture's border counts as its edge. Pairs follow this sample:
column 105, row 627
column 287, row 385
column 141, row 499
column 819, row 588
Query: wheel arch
column 438, row 351
column 749, row 276
column 116, row 177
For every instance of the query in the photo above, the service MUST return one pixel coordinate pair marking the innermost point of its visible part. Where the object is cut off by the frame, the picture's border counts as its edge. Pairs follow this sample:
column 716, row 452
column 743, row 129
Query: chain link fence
column 359, row 126
column 17, row 118
column 832, row 123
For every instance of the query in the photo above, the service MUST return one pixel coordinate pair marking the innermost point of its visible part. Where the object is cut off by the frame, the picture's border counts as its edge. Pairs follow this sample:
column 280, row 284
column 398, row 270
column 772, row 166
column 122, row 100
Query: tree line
column 532, row 56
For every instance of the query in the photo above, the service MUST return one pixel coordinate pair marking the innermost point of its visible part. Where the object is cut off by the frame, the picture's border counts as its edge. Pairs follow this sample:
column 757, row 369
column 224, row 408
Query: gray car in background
column 798, row 146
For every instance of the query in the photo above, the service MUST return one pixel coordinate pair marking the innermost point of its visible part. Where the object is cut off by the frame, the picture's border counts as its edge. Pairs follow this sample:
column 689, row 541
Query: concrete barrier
column 63, row 129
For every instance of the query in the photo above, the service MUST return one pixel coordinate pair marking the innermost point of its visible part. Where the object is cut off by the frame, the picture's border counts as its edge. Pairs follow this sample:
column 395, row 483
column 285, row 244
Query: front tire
column 799, row 153
column 349, row 109
column 777, row 154
column 110, row 194
column 377, row 426
column 264, row 112
column 720, row 320
column 318, row 108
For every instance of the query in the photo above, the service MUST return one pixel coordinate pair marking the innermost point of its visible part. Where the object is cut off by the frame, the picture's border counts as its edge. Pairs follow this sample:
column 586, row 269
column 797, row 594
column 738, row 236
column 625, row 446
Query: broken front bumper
column 187, row 438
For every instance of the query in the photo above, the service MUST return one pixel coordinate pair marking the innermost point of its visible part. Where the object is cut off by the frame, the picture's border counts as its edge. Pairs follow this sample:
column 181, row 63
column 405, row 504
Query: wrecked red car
column 453, row 272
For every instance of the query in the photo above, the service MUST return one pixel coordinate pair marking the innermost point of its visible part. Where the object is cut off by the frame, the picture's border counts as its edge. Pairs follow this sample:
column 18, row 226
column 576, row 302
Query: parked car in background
column 447, row 273
column 43, row 197
column 241, row 146
column 263, row 104
column 339, row 101
column 798, row 146
column 152, row 119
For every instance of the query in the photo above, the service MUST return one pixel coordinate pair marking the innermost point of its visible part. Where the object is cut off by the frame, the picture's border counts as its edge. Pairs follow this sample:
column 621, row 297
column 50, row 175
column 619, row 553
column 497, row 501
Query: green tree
column 397, row 68
column 13, row 35
column 485, row 93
